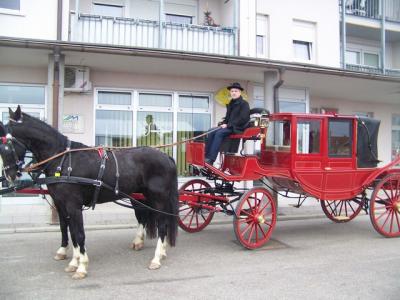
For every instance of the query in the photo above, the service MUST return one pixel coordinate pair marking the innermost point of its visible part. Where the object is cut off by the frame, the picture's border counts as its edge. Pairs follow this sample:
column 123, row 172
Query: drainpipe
column 56, row 87
column 383, row 37
column 343, row 52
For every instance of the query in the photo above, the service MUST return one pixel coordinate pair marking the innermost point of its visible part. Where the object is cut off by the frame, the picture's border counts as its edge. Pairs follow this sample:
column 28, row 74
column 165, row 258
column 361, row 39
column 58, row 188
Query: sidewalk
column 112, row 216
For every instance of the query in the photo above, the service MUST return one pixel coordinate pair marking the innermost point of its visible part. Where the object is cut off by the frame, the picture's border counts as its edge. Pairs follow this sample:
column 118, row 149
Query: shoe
column 209, row 161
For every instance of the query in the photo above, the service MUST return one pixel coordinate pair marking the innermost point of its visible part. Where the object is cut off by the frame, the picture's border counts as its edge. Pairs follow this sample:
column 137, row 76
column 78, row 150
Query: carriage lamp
column 264, row 121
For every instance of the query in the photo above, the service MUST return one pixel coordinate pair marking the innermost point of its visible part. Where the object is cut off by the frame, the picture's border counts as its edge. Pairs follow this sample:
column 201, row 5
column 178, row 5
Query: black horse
column 142, row 170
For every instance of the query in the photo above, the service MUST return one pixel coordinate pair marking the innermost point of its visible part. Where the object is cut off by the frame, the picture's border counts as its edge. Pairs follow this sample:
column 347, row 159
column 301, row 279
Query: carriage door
column 339, row 162
column 308, row 158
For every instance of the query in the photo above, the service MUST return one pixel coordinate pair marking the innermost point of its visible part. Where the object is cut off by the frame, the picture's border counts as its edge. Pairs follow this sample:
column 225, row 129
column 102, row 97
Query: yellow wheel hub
column 397, row 205
column 260, row 219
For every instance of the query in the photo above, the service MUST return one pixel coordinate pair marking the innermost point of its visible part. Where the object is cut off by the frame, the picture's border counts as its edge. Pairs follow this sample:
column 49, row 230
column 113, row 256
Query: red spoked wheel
column 385, row 206
column 193, row 217
column 255, row 218
column 342, row 211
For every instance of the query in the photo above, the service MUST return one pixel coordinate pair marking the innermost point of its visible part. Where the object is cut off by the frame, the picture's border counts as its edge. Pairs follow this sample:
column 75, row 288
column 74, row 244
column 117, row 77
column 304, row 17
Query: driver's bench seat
column 231, row 144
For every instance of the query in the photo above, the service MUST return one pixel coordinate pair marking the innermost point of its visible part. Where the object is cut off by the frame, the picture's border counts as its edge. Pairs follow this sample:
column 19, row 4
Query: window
column 371, row 60
column 340, row 138
column 133, row 118
column 362, row 57
column 292, row 106
column 22, row 94
column 10, row 4
column 353, row 57
column 180, row 19
column 278, row 135
column 308, row 136
column 302, row 50
column 109, row 10
column 261, row 36
column 395, row 135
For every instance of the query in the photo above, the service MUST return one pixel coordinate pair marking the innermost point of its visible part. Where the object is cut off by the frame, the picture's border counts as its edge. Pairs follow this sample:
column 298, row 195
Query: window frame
column 11, row 11
column 109, row 5
column 134, row 108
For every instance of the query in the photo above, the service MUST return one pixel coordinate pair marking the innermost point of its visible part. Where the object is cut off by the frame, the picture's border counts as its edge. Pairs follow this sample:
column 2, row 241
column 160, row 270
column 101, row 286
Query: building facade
column 146, row 72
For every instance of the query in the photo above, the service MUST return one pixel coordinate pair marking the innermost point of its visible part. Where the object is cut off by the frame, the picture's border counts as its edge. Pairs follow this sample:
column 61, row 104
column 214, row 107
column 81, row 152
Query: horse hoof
column 79, row 275
column 154, row 266
column 60, row 256
column 70, row 269
column 138, row 246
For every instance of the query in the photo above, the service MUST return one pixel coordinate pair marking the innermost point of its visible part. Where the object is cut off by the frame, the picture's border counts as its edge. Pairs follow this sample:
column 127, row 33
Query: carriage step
column 342, row 218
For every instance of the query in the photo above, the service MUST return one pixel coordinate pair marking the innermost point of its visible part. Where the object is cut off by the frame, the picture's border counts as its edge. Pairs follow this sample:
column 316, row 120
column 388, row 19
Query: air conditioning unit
column 76, row 79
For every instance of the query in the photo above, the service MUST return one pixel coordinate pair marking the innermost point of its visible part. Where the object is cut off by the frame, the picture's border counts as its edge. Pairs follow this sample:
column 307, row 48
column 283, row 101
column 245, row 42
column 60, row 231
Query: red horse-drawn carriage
column 329, row 157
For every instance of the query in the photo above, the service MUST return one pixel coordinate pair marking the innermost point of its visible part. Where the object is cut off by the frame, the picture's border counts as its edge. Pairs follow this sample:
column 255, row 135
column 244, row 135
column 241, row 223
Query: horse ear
column 2, row 129
column 11, row 113
column 18, row 114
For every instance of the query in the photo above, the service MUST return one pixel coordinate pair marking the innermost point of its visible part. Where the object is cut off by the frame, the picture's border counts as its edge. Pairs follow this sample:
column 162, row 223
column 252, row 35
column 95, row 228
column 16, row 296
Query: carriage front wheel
column 385, row 206
column 192, row 216
column 255, row 218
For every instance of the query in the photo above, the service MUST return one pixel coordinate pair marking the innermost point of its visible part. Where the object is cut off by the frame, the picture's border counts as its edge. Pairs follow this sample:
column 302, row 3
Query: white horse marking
column 61, row 253
column 74, row 263
column 81, row 272
column 138, row 242
column 160, row 253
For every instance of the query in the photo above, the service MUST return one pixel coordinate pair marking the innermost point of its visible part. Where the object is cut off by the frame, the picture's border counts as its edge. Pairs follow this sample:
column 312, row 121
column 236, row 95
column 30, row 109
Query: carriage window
column 278, row 136
column 340, row 138
column 308, row 136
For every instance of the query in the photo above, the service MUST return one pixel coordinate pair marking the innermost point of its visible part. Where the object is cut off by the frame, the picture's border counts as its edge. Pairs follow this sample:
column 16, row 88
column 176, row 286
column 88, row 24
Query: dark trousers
column 214, row 142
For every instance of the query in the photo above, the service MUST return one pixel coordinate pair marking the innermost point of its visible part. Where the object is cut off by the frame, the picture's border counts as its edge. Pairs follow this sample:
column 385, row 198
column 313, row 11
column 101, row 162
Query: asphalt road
column 306, row 259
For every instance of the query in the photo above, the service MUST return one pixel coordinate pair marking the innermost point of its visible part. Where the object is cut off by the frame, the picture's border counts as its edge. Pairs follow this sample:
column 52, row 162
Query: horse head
column 12, row 153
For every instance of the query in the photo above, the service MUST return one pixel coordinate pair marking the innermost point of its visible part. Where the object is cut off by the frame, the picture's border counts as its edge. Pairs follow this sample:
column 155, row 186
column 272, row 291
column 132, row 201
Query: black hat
column 235, row 85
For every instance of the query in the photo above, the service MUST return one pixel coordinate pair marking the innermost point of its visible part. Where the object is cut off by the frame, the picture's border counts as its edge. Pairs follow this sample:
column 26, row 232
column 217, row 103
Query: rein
column 36, row 165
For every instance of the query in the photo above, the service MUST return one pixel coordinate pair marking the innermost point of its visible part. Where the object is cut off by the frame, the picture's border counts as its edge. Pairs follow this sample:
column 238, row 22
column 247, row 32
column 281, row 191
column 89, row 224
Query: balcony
column 372, row 70
column 373, row 9
column 118, row 31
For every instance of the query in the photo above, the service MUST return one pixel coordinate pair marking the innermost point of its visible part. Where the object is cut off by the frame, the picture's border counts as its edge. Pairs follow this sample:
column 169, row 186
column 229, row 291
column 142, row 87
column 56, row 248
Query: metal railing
column 373, row 70
column 372, row 9
column 145, row 33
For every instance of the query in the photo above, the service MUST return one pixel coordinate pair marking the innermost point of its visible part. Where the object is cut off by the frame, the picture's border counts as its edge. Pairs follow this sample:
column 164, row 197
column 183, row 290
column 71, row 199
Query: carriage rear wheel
column 342, row 211
column 255, row 218
column 385, row 206
column 193, row 217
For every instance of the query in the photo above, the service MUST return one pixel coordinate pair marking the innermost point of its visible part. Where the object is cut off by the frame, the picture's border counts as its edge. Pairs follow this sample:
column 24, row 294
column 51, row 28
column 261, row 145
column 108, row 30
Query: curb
column 55, row 228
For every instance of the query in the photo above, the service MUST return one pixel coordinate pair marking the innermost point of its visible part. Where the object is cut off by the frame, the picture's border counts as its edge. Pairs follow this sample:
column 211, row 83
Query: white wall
column 36, row 19
column 381, row 112
column 281, row 15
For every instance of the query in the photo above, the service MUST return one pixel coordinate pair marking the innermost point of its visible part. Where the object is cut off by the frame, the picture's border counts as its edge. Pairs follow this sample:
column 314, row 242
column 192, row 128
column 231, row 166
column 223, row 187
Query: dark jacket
column 237, row 115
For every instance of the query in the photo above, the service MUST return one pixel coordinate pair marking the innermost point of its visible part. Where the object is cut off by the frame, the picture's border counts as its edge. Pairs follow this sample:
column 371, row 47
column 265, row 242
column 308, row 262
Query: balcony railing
column 367, row 69
column 372, row 9
column 145, row 33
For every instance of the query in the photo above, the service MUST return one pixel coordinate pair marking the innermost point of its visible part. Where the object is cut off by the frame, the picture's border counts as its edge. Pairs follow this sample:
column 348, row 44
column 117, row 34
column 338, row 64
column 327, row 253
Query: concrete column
column 270, row 79
column 343, row 27
column 383, row 37
column 161, row 18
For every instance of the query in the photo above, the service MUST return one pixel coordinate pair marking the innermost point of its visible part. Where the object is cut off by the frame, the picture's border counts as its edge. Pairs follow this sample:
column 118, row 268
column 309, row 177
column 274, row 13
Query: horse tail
column 172, row 221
